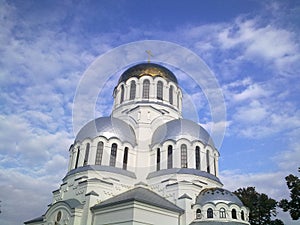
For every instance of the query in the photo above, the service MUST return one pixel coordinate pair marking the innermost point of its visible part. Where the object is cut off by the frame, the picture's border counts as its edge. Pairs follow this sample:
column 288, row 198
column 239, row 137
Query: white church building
column 144, row 164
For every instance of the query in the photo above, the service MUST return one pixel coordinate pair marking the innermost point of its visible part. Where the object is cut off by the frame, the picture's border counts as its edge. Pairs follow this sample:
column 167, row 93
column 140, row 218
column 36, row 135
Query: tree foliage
column 262, row 208
column 293, row 206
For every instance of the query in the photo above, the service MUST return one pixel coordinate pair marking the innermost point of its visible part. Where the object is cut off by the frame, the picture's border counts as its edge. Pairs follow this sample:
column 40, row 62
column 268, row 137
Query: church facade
column 144, row 164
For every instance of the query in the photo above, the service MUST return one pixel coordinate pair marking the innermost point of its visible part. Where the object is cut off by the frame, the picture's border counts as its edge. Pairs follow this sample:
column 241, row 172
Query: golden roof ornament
column 149, row 53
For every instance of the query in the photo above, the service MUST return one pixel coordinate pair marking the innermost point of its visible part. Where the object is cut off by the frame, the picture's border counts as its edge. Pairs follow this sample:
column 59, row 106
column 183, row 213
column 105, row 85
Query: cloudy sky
column 251, row 46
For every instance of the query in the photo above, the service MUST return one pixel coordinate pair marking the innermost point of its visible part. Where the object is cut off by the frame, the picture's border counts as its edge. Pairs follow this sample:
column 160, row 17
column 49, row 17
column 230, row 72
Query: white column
column 191, row 158
column 106, row 154
column 202, row 159
column 163, row 157
column 176, row 157
column 120, row 155
column 93, row 150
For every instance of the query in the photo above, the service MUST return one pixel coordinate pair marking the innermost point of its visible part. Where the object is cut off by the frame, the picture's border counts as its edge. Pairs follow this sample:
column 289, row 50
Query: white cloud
column 268, row 41
column 255, row 112
column 257, row 42
column 32, row 163
column 252, row 91
column 29, row 195
column 259, row 110
column 270, row 183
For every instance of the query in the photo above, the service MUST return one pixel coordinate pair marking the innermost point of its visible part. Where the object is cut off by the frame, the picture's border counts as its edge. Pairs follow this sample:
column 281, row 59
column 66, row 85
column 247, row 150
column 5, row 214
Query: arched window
column 86, row 156
column 210, row 213
column 207, row 162
column 113, row 154
column 171, row 95
column 197, row 155
column 158, row 159
column 125, row 158
column 77, row 157
column 242, row 215
column 184, row 156
column 233, row 214
column 222, row 213
column 146, row 89
column 159, row 90
column 132, row 90
column 99, row 153
column 170, row 156
column 198, row 214
column 122, row 94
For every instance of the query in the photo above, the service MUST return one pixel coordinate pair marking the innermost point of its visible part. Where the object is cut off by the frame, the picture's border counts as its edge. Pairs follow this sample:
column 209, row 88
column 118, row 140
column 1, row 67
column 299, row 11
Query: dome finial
column 149, row 53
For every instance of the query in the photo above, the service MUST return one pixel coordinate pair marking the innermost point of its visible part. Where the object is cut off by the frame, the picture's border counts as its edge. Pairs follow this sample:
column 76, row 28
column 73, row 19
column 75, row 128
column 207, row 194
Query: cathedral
column 144, row 164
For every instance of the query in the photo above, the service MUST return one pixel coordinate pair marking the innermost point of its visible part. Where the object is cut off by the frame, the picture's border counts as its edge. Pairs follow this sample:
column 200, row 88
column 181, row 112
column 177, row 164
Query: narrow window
column 222, row 213
column 146, row 89
column 170, row 156
column 99, row 153
column 159, row 90
column 215, row 166
column 210, row 213
column 132, row 90
column 183, row 156
column 197, row 155
column 207, row 162
column 122, row 94
column 77, row 157
column 113, row 154
column 242, row 215
column 86, row 157
column 171, row 95
column 158, row 159
column 125, row 158
column 178, row 99
column 233, row 214
column 198, row 214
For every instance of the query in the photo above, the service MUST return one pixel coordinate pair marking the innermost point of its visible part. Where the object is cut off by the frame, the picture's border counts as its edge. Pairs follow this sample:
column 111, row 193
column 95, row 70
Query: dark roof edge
column 38, row 219
column 183, row 171
column 101, row 168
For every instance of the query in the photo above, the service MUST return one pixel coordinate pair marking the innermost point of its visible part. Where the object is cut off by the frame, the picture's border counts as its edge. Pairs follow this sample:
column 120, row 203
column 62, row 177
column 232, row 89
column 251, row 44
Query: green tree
column 262, row 208
column 293, row 206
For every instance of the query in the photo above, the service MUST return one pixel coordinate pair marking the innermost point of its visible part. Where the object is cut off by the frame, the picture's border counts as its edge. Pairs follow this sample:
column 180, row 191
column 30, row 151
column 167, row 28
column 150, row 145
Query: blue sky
column 251, row 46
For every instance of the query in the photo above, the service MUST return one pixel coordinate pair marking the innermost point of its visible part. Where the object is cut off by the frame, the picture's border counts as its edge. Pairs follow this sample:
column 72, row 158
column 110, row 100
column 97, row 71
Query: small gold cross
column 149, row 55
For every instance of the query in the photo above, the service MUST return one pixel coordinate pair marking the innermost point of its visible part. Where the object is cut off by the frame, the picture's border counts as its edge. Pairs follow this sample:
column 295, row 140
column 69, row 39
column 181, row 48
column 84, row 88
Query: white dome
column 108, row 127
column 181, row 128
column 216, row 195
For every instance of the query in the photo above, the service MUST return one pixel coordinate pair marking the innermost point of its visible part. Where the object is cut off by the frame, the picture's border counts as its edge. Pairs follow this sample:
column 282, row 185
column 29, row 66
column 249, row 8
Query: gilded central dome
column 150, row 69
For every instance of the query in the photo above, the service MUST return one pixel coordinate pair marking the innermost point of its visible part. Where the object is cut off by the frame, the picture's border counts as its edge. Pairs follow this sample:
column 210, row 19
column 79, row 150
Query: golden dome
column 148, row 69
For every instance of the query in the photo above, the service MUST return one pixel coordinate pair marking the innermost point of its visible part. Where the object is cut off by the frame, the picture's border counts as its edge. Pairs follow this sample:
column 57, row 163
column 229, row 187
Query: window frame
column 184, row 157
column 210, row 213
column 197, row 158
column 122, row 94
column 132, row 93
column 158, row 159
column 170, row 157
column 159, row 90
column 198, row 214
column 171, row 90
column 113, row 154
column 86, row 155
column 125, row 158
column 222, row 213
column 207, row 161
column 146, row 89
column 99, row 153
column 233, row 214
